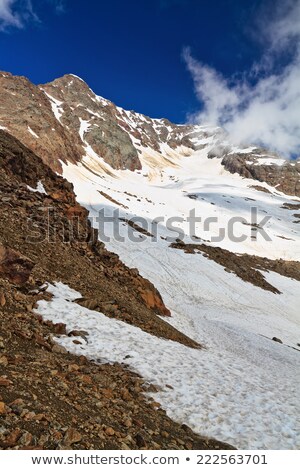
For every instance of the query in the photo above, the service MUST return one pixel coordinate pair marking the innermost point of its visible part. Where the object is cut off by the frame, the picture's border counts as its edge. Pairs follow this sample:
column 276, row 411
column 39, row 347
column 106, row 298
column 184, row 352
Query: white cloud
column 268, row 111
column 18, row 13
column 8, row 17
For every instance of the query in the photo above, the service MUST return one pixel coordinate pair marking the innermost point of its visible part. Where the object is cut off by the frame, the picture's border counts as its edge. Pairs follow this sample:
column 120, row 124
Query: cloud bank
column 263, row 106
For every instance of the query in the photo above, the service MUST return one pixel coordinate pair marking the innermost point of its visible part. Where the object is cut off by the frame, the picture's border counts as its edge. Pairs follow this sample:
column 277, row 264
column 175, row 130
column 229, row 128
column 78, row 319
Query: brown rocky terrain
column 246, row 267
column 259, row 164
column 50, row 399
column 26, row 112
column 285, row 178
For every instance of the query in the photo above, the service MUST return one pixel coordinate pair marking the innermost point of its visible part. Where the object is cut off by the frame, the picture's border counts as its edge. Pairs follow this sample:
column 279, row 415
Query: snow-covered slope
column 241, row 369
column 172, row 185
column 243, row 388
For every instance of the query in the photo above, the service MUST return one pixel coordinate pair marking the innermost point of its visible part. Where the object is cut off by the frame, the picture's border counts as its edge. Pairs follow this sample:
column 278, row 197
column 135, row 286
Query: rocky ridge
column 65, row 121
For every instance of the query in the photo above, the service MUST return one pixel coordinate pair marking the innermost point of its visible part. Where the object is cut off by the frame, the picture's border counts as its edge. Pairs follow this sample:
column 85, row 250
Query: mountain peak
column 65, row 121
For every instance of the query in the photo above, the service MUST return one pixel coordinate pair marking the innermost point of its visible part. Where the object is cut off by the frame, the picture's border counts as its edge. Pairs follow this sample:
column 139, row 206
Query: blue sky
column 135, row 52
column 130, row 51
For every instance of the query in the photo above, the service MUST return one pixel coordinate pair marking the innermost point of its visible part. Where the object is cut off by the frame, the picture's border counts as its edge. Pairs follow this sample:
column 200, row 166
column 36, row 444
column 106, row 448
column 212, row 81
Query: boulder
column 14, row 266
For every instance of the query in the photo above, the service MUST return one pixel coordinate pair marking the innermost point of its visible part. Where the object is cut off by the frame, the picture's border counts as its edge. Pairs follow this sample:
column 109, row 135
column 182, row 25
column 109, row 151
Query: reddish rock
column 2, row 299
column 4, row 382
column 12, row 439
column 154, row 301
column 72, row 436
column 77, row 211
column 14, row 266
column 110, row 431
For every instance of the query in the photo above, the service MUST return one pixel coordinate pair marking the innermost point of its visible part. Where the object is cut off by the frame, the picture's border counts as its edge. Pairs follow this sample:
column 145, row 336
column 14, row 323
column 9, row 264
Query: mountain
column 65, row 121
column 166, row 251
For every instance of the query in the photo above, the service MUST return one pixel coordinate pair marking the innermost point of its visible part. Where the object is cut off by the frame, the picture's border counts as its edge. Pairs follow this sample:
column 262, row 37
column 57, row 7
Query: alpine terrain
column 149, row 279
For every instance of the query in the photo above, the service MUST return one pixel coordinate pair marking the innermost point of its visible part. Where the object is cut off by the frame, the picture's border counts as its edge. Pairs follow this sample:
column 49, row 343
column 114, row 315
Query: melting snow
column 39, row 188
column 271, row 161
column 242, row 389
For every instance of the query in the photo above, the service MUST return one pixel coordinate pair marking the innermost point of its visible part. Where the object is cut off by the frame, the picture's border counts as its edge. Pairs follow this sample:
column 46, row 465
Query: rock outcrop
column 14, row 266
column 285, row 177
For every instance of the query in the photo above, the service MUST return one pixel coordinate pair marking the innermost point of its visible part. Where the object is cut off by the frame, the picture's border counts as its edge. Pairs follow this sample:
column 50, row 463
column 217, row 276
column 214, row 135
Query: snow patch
column 39, row 188
column 55, row 105
column 32, row 132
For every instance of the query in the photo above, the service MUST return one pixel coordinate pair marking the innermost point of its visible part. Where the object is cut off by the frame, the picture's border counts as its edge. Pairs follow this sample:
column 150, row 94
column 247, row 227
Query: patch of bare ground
column 260, row 188
column 291, row 206
column 245, row 266
column 109, row 198
column 137, row 227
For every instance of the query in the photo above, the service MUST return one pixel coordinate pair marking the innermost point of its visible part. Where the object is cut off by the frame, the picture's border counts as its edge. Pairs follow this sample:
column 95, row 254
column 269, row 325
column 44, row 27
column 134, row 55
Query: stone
column 109, row 431
column 26, row 439
column 3, row 361
column 72, row 436
column 2, row 299
column 4, row 382
column 12, row 439
column 14, row 266
column 57, row 348
column 60, row 329
column 140, row 440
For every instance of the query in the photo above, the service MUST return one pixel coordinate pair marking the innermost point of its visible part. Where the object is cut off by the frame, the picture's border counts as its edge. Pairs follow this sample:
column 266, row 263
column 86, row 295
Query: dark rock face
column 65, row 120
column 285, row 178
column 14, row 266
column 25, row 111
column 94, row 120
